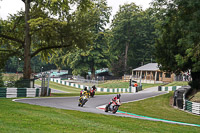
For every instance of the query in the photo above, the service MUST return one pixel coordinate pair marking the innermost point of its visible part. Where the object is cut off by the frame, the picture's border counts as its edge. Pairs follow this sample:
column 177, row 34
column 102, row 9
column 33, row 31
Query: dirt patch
column 171, row 101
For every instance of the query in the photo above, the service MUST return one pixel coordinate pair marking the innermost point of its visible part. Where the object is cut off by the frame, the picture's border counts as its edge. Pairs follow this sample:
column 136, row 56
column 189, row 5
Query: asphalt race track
column 97, row 104
column 71, row 103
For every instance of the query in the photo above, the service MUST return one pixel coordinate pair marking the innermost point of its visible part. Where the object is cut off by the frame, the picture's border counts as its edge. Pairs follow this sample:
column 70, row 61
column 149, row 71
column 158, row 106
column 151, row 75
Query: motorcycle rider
column 114, row 99
column 84, row 92
column 94, row 88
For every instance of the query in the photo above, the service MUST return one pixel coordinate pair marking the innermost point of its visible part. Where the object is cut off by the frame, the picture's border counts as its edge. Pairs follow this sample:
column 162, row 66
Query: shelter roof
column 148, row 67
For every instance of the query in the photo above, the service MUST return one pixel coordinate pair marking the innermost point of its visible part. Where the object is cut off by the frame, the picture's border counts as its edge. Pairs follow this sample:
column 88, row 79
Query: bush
column 1, row 80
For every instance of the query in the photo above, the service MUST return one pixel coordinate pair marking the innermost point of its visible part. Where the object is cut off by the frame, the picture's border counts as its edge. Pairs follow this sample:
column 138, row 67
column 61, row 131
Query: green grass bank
column 19, row 117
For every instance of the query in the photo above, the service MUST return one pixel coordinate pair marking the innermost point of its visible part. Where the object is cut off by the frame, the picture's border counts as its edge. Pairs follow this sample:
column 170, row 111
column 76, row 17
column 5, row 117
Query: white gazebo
column 150, row 73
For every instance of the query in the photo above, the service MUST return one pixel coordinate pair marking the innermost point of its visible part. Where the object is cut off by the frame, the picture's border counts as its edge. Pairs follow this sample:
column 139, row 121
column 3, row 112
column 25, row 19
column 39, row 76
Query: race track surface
column 97, row 104
column 71, row 103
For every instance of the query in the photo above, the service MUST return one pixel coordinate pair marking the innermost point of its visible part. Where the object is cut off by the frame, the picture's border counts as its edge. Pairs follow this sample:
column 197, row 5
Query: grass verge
column 196, row 98
column 72, row 90
column 12, row 76
column 178, row 83
column 123, row 84
column 159, row 107
column 75, row 91
column 61, row 87
column 19, row 117
column 145, row 85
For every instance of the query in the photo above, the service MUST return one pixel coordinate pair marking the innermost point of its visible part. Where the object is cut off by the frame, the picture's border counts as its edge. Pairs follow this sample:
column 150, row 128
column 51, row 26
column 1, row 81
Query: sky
column 12, row 6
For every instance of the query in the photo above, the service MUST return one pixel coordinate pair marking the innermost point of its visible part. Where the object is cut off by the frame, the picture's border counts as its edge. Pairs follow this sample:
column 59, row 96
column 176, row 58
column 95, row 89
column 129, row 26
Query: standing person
column 135, row 84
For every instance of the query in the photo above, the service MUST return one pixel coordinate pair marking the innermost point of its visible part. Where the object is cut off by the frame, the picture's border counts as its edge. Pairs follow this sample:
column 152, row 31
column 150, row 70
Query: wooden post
column 155, row 76
column 150, row 76
column 146, row 77
column 136, row 74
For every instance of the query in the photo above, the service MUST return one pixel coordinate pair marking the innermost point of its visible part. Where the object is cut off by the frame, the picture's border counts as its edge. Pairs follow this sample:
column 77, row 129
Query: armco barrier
column 184, row 104
column 168, row 88
column 20, row 92
column 192, row 107
column 113, row 90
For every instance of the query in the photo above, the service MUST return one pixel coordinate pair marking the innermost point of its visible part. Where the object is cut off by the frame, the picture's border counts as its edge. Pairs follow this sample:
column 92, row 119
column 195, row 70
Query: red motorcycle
column 113, row 107
column 92, row 92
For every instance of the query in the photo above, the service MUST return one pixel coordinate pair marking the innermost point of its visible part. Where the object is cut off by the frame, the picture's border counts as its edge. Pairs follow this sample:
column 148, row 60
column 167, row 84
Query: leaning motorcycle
column 113, row 107
column 92, row 92
column 82, row 100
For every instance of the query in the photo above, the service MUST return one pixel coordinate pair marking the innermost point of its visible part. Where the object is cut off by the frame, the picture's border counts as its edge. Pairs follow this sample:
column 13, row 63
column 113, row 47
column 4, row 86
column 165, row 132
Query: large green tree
column 178, row 45
column 133, row 37
column 44, row 26
column 96, row 55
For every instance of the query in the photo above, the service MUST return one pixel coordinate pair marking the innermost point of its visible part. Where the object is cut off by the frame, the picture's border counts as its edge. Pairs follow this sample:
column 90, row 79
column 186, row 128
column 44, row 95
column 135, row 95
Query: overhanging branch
column 11, row 38
column 5, row 50
column 49, row 47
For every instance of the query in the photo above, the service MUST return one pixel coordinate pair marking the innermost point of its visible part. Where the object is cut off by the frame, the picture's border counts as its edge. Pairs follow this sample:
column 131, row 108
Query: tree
column 178, row 45
column 96, row 54
column 133, row 36
column 48, row 25
column 123, row 29
column 91, row 59
column 1, row 79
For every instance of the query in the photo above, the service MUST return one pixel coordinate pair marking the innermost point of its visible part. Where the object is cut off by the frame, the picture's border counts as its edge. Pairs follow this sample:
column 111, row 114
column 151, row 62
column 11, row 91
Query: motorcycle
column 82, row 100
column 113, row 107
column 92, row 92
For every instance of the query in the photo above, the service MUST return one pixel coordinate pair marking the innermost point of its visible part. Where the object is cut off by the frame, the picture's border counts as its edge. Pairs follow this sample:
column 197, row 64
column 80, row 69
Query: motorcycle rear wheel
column 106, row 108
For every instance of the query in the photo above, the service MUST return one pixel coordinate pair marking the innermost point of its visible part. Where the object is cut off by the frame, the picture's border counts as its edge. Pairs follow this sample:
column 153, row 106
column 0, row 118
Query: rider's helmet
column 85, row 89
column 118, row 96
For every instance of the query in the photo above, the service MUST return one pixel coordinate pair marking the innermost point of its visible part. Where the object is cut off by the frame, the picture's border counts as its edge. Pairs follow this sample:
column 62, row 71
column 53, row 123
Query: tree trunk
column 126, row 57
column 27, row 55
column 92, row 73
column 195, row 84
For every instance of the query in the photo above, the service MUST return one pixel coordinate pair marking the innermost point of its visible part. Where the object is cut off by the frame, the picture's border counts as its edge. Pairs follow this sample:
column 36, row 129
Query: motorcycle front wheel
column 83, row 103
column 115, row 109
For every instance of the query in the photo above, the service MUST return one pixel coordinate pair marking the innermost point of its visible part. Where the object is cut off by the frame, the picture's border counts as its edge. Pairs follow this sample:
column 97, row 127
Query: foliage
column 96, row 55
column 48, row 25
column 82, row 61
column 177, row 48
column 133, row 37
column 1, row 79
